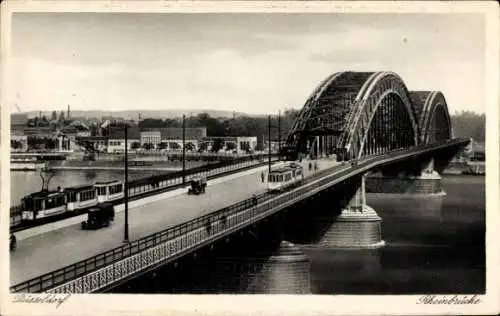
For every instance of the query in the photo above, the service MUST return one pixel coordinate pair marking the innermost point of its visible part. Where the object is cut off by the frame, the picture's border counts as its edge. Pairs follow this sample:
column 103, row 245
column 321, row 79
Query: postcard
column 240, row 157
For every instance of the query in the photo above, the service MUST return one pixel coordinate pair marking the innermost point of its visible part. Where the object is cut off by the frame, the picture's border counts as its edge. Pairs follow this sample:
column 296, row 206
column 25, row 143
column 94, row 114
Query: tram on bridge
column 81, row 197
column 284, row 177
column 43, row 204
column 47, row 203
column 109, row 191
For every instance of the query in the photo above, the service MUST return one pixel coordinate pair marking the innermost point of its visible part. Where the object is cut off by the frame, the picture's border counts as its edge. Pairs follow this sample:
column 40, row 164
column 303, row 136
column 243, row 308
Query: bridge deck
column 55, row 249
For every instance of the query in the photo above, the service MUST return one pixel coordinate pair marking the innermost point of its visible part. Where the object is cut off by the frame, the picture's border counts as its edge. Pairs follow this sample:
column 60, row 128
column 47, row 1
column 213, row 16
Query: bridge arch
column 343, row 107
column 384, row 119
column 433, row 117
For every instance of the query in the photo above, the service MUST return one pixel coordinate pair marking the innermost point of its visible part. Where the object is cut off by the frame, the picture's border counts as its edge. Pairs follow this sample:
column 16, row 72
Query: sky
column 253, row 63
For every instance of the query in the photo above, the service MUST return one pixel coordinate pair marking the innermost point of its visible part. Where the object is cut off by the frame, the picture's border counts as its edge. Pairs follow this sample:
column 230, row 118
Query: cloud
column 36, row 83
column 252, row 63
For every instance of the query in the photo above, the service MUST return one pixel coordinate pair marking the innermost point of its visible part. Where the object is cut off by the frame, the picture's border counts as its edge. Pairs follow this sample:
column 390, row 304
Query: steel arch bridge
column 357, row 114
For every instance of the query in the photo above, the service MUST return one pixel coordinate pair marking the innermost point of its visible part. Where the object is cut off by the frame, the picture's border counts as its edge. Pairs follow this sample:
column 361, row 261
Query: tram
column 81, row 197
column 46, row 203
column 43, row 204
column 284, row 177
column 109, row 191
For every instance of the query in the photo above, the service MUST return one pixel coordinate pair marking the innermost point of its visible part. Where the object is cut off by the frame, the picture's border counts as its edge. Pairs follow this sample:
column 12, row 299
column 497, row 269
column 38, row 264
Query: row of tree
column 148, row 146
column 469, row 124
column 216, row 146
column 238, row 126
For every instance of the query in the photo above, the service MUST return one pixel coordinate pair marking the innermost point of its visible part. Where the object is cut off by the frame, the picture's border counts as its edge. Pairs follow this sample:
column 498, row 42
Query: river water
column 433, row 245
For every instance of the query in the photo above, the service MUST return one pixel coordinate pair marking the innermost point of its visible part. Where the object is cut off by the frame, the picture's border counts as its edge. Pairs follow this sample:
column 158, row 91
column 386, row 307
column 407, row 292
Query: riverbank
column 466, row 168
column 102, row 165
column 116, row 168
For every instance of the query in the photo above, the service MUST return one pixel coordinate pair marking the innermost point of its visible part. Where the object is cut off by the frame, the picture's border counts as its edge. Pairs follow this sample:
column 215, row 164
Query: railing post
column 269, row 142
column 279, row 135
column 125, row 238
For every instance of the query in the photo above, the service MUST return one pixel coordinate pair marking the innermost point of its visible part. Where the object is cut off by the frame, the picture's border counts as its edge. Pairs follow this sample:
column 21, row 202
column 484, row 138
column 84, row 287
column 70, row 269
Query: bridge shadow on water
column 433, row 245
column 227, row 267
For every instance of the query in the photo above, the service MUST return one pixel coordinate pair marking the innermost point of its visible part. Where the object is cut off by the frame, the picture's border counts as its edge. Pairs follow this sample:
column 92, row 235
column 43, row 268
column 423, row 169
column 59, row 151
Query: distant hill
column 134, row 114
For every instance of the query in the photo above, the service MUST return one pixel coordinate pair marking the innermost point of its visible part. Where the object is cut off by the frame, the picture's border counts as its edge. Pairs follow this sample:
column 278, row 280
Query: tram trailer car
column 43, row 204
column 109, row 191
column 81, row 197
column 284, row 177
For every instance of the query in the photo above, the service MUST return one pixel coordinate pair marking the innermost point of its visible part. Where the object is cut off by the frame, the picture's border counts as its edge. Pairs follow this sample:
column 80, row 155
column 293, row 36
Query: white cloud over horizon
column 154, row 66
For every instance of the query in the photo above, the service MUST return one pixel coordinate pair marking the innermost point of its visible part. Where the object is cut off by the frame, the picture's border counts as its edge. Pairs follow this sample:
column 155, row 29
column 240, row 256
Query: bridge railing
column 227, row 217
column 141, row 188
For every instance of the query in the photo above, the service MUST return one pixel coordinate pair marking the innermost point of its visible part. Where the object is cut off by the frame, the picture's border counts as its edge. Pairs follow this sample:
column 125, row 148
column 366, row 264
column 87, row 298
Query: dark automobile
column 198, row 185
column 99, row 216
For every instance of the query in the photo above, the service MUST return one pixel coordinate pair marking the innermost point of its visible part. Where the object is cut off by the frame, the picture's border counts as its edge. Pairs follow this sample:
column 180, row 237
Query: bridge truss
column 357, row 114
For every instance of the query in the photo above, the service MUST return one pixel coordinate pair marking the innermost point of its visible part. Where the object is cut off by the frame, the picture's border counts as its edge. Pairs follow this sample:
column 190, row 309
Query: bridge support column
column 283, row 271
column 358, row 225
column 286, row 271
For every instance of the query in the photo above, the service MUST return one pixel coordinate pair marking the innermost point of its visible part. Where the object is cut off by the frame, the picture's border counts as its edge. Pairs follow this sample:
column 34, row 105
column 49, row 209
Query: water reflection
column 90, row 175
column 342, row 271
column 406, row 206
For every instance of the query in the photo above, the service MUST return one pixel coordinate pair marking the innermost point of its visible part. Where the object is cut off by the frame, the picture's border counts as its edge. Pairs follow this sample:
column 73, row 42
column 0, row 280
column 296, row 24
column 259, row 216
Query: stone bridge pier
column 417, row 177
column 357, row 226
column 415, row 184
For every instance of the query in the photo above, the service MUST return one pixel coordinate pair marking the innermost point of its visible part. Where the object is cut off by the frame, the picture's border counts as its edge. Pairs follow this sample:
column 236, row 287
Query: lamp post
column 125, row 237
column 269, row 141
column 279, row 135
column 183, row 149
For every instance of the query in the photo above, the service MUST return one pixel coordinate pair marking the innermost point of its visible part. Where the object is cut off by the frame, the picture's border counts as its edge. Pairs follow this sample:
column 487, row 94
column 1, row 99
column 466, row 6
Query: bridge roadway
column 67, row 245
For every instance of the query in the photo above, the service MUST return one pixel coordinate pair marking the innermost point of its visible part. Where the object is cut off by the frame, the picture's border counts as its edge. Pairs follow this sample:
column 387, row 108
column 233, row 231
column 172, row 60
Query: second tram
column 284, row 177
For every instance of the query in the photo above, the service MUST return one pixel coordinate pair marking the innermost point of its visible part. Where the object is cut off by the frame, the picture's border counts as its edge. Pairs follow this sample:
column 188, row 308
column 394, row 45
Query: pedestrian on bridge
column 262, row 176
column 13, row 242
column 310, row 166
column 316, row 166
